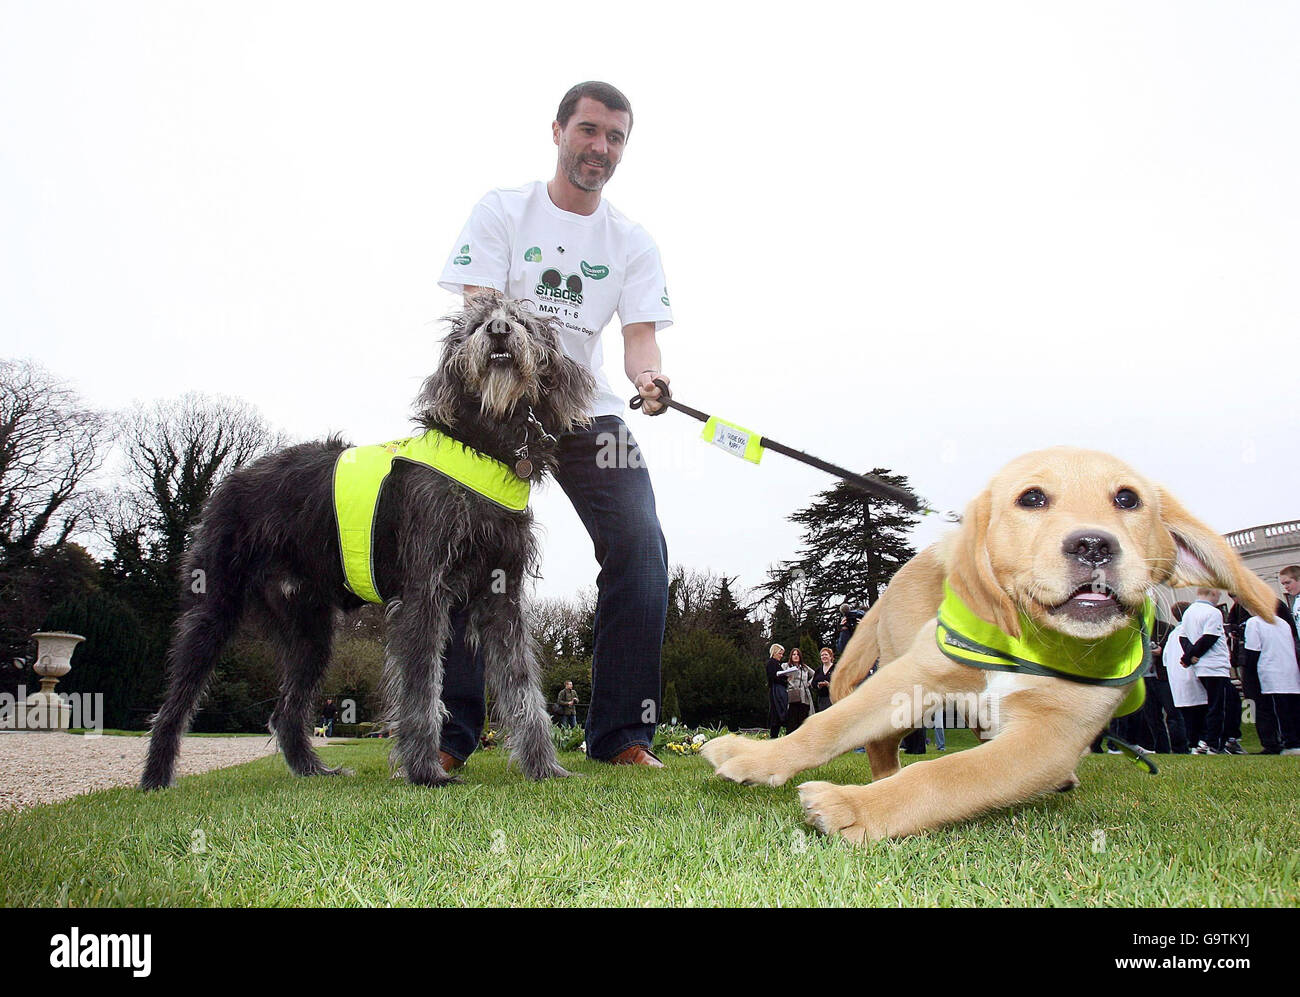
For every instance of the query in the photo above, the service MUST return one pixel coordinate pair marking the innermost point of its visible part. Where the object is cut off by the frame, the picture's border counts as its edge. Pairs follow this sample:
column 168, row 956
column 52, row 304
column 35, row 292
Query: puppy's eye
column 1127, row 498
column 1032, row 498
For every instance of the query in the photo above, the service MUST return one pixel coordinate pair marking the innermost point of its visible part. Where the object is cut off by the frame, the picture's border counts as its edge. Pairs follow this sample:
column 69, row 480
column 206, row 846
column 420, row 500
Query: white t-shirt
column 581, row 268
column 1278, row 671
column 1199, row 619
column 1184, row 686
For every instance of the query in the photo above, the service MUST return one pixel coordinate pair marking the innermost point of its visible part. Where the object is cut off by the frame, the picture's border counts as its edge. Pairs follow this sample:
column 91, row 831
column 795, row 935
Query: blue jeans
column 604, row 476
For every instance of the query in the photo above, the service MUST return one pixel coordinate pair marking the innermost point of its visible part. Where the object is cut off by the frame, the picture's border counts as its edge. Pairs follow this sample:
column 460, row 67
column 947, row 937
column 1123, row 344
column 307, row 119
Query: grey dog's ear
column 568, row 390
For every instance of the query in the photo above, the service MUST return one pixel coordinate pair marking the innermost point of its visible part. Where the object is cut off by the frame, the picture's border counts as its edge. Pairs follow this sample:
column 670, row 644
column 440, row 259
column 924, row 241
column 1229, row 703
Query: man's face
column 1289, row 585
column 591, row 144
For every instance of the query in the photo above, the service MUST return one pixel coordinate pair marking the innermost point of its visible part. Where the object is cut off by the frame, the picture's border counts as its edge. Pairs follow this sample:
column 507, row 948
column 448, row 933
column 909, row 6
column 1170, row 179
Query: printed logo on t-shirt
column 664, row 299
column 597, row 272
column 533, row 255
column 559, row 287
column 463, row 258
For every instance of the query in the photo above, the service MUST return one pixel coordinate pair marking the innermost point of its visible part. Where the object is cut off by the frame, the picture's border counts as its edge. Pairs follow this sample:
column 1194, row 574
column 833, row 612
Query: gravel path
column 48, row 766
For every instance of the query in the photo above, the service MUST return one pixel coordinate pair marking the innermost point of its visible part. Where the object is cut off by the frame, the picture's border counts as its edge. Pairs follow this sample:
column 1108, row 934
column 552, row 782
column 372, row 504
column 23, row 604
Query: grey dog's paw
column 555, row 771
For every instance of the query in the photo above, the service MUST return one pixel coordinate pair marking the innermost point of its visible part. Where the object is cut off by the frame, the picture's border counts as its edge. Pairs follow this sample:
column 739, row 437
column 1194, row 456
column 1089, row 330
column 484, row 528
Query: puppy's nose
column 499, row 327
column 1094, row 547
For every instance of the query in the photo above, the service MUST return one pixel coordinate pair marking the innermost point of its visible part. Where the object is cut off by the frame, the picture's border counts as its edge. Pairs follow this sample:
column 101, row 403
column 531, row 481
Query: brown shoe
column 637, row 754
column 449, row 762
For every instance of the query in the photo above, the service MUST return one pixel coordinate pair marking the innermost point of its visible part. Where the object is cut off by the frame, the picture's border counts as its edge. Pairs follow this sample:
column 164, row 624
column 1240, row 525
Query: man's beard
column 573, row 164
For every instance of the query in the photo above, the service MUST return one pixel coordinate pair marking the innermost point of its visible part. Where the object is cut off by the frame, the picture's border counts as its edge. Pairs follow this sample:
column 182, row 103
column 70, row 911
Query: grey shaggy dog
column 268, row 546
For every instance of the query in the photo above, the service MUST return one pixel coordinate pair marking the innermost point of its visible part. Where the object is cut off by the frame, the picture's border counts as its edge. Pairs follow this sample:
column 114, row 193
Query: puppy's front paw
column 838, row 810
column 741, row 759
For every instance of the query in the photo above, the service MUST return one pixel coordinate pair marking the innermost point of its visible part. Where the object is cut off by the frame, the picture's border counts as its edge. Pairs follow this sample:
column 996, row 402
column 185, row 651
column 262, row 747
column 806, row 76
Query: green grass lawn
column 1208, row 831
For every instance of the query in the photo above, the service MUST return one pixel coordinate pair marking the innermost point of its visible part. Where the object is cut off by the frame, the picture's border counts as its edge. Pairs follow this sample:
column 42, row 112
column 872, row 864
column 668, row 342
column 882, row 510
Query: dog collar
column 1118, row 660
column 359, row 477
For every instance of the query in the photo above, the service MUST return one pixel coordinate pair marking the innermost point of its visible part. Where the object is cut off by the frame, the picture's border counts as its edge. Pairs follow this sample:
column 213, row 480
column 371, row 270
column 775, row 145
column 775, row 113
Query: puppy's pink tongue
column 1092, row 596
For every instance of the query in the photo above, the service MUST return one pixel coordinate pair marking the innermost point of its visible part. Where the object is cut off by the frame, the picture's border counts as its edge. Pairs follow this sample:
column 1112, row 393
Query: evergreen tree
column 783, row 628
column 853, row 544
column 729, row 619
column 672, row 707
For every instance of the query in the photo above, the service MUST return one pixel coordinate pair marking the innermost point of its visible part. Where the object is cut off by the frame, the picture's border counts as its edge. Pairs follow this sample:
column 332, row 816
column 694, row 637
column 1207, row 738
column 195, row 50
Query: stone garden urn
column 45, row 710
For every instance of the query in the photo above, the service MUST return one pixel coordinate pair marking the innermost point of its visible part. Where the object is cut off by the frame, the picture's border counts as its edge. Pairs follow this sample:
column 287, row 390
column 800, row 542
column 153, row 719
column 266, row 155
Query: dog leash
column 749, row 445
column 1125, row 748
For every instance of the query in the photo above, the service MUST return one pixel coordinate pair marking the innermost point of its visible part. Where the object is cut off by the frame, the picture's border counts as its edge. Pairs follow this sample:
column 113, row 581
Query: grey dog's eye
column 1127, row 498
column 1032, row 498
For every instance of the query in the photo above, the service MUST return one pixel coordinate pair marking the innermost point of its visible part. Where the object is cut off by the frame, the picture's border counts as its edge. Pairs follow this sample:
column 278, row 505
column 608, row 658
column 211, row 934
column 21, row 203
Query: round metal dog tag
column 524, row 468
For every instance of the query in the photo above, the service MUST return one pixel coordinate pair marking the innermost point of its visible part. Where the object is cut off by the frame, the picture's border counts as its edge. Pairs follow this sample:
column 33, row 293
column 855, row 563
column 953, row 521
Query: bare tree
column 690, row 593
column 176, row 450
column 49, row 444
column 785, row 581
column 563, row 627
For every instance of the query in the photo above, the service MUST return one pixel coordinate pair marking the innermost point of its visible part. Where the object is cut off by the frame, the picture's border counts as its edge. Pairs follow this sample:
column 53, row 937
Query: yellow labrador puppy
column 1034, row 613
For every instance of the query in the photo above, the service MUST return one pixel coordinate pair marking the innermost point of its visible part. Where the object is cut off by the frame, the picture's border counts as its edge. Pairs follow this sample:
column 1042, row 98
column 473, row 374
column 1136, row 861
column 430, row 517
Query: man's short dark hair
column 610, row 96
column 1292, row 571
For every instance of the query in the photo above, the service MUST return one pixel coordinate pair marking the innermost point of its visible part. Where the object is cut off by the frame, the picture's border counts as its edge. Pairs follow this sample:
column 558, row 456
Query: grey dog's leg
column 418, row 633
column 303, row 639
column 510, row 660
column 201, row 633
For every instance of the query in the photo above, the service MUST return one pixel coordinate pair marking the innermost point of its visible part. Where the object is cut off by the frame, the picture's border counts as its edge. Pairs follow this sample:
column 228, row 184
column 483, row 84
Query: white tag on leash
column 736, row 440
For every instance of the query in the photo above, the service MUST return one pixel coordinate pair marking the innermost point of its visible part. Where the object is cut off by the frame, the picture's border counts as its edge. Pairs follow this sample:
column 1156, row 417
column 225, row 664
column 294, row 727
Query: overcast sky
column 927, row 237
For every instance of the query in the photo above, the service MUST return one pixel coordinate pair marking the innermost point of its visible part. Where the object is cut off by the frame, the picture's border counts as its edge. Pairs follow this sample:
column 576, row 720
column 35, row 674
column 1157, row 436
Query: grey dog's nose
column 499, row 327
column 1094, row 547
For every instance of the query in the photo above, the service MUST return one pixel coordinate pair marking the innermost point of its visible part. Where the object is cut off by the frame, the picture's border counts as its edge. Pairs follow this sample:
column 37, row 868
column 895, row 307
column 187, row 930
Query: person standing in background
column 1289, row 579
column 568, row 703
column 822, row 680
column 800, row 691
column 1270, row 652
column 1205, row 650
column 778, row 698
column 1186, row 690
column 1163, row 719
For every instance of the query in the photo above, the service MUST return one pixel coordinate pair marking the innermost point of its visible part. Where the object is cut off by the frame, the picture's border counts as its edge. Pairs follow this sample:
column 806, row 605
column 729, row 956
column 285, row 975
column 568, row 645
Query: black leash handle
column 863, row 482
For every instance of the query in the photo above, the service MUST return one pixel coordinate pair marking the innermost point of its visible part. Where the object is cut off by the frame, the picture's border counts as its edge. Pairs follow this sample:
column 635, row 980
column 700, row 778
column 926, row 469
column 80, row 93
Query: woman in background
column 800, row 690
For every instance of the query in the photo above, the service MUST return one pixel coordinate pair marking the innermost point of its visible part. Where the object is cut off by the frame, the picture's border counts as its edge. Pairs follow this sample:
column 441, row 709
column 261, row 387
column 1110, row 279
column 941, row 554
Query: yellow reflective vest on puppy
column 359, row 477
column 1120, row 659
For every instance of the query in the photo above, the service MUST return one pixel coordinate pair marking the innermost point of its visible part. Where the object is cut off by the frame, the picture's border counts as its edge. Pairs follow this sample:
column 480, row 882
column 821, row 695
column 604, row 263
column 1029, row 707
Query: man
column 849, row 620
column 1289, row 579
column 568, row 701
column 328, row 715
column 560, row 245
column 1205, row 650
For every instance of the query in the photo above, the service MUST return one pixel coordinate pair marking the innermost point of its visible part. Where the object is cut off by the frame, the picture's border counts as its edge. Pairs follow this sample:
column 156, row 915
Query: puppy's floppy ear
column 970, row 571
column 1203, row 558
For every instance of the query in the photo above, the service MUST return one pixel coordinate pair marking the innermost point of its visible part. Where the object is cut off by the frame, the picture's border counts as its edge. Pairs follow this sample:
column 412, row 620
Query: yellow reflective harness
column 359, row 476
column 1117, row 660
